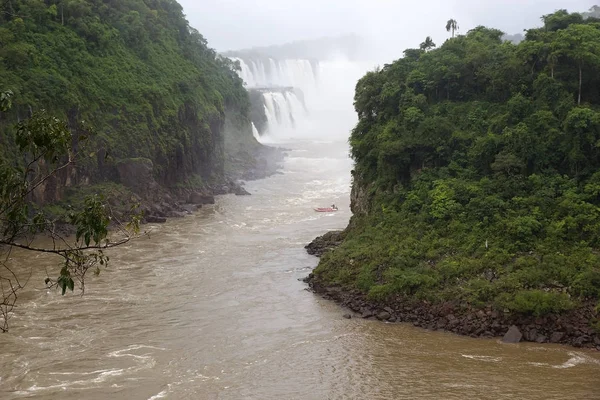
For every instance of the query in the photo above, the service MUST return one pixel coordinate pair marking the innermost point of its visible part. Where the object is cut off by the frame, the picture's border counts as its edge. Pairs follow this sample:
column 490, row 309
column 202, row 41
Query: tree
column 581, row 43
column 427, row 44
column 561, row 19
column 47, row 144
column 452, row 25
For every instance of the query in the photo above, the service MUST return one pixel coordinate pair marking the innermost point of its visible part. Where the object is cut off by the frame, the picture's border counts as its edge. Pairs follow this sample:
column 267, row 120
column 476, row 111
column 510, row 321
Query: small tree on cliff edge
column 46, row 144
column 452, row 25
column 427, row 44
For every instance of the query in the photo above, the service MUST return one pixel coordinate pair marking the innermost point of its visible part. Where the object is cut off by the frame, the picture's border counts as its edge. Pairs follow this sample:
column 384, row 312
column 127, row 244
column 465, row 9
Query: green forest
column 134, row 71
column 477, row 176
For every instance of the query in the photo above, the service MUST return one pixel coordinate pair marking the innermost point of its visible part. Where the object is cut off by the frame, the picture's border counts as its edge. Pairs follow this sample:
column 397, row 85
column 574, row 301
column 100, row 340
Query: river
column 211, row 306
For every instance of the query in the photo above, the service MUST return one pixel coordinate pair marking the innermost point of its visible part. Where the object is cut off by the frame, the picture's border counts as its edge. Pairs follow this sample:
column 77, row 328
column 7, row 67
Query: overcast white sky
column 236, row 24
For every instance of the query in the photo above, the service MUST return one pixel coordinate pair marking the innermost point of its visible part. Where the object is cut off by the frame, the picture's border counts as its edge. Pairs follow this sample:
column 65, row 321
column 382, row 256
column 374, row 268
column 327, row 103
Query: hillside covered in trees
column 133, row 73
column 477, row 178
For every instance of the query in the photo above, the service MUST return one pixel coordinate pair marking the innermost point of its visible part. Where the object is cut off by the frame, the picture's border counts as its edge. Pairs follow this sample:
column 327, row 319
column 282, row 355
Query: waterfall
column 265, row 73
column 284, row 111
column 301, row 97
column 255, row 132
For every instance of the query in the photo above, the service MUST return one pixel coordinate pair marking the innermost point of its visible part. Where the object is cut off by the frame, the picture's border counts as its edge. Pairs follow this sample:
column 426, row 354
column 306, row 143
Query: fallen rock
column 579, row 341
column 383, row 316
column 240, row 191
column 541, row 339
column 199, row 198
column 367, row 313
column 557, row 337
column 191, row 208
column 531, row 335
column 513, row 335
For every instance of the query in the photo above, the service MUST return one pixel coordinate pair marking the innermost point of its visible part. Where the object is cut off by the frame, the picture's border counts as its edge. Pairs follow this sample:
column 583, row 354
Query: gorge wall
column 137, row 80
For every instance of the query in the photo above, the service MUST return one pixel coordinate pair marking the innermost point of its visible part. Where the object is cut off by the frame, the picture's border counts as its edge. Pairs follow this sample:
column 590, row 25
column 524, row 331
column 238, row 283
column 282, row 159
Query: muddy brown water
column 211, row 307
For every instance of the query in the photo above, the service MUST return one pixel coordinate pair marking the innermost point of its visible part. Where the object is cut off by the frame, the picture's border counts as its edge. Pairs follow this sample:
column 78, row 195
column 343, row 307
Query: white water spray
column 325, row 110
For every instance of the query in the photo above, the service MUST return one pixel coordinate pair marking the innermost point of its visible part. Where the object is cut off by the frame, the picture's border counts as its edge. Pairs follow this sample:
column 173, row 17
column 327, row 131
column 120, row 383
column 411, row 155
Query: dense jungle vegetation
column 477, row 173
column 134, row 70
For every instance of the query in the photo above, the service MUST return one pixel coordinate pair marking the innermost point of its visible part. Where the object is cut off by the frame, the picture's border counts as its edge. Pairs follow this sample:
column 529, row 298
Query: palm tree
column 427, row 44
column 452, row 25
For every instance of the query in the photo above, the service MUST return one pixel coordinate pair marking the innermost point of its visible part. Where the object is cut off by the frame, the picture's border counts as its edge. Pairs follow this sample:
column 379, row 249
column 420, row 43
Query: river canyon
column 212, row 306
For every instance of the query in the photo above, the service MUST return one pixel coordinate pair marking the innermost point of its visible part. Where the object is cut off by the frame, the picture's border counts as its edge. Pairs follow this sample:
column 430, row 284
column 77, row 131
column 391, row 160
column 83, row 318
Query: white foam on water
column 577, row 359
column 482, row 358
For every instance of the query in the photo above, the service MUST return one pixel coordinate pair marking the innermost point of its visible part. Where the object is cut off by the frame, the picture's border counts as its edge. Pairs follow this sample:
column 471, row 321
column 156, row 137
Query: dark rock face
column 324, row 243
column 136, row 173
column 513, row 335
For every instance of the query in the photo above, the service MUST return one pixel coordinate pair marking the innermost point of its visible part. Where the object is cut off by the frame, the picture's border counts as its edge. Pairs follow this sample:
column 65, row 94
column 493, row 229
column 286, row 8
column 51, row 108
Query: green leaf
column 62, row 283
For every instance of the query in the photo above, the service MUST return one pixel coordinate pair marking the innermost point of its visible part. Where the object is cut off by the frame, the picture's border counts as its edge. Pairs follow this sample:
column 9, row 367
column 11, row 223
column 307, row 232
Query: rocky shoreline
column 572, row 328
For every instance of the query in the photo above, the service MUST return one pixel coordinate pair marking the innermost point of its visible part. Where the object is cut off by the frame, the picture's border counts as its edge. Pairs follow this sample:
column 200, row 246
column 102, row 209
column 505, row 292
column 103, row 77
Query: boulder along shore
column 572, row 328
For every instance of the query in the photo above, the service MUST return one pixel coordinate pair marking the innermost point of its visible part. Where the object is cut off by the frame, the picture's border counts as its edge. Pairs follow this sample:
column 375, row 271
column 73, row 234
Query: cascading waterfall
column 265, row 73
column 284, row 111
column 301, row 97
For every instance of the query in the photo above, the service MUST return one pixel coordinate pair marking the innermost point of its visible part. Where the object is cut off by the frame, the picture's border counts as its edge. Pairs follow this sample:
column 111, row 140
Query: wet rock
column 191, row 208
column 324, row 243
column 176, row 214
column 383, row 316
column 578, row 342
column 199, row 198
column 513, row 335
column 541, row 339
column 531, row 335
column 153, row 219
column 367, row 313
column 442, row 323
column 238, row 190
column 157, row 210
column 556, row 337
column 223, row 189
